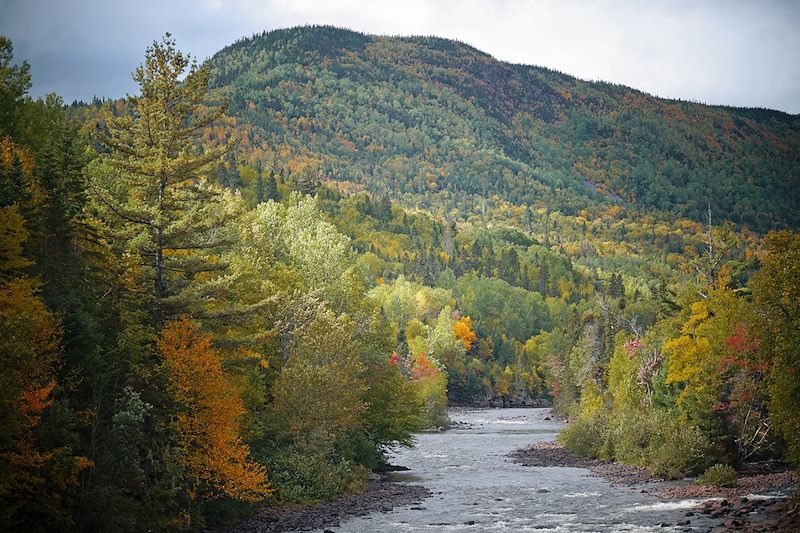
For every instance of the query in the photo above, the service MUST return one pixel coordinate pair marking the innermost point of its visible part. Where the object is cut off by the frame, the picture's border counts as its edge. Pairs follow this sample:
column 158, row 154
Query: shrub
column 303, row 475
column 628, row 439
column 667, row 445
column 586, row 434
column 677, row 448
column 718, row 476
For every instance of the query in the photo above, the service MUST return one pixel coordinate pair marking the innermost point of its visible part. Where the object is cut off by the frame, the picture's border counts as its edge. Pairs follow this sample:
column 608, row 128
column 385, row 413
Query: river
column 476, row 487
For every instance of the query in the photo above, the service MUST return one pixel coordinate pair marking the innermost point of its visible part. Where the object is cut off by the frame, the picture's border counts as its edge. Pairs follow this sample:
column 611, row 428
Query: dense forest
column 436, row 122
column 243, row 285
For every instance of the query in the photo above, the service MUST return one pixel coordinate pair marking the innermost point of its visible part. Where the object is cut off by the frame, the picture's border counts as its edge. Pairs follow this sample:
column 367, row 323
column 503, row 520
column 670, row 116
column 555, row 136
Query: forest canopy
column 245, row 284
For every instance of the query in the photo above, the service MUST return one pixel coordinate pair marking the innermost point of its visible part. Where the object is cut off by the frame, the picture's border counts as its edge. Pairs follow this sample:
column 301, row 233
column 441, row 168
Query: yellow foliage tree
column 464, row 332
column 689, row 353
column 213, row 454
column 700, row 357
column 505, row 381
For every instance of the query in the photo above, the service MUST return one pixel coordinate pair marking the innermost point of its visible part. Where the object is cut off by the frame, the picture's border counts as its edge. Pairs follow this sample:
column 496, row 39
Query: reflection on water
column 476, row 487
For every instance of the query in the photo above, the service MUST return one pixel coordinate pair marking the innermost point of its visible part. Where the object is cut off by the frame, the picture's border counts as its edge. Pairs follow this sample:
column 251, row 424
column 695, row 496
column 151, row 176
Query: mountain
column 436, row 121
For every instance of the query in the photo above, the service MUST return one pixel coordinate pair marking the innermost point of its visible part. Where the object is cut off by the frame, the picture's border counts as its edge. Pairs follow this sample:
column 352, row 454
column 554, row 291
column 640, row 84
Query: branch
column 117, row 211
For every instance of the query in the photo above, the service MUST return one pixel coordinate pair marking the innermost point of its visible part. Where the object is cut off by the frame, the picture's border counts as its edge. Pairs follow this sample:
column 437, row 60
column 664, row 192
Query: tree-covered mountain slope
column 417, row 116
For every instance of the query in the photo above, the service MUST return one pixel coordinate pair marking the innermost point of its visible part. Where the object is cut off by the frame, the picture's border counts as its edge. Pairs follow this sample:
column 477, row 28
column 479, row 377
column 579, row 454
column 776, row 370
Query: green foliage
column 383, row 112
column 585, row 436
column 513, row 260
column 442, row 342
column 295, row 238
column 668, row 445
column 309, row 474
column 393, row 412
column 776, row 292
column 318, row 393
column 15, row 80
column 676, row 448
column 502, row 310
column 146, row 188
column 329, row 390
column 718, row 475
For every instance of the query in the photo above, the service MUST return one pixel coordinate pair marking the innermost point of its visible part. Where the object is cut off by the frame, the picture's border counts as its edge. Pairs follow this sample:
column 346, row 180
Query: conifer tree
column 307, row 184
column 259, row 188
column 15, row 80
column 616, row 287
column 272, row 188
column 385, row 209
column 150, row 184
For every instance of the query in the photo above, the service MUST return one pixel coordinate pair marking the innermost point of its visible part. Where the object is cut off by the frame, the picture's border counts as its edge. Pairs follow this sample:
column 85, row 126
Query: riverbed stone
column 382, row 496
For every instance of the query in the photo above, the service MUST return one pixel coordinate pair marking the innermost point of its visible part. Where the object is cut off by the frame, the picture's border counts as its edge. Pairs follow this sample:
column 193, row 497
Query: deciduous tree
column 776, row 291
column 213, row 454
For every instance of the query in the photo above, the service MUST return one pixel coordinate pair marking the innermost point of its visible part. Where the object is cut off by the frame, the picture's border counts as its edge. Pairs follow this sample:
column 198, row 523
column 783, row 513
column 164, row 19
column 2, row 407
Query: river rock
column 381, row 496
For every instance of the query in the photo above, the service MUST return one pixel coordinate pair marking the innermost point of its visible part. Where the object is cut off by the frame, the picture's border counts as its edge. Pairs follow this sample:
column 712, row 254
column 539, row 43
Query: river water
column 476, row 487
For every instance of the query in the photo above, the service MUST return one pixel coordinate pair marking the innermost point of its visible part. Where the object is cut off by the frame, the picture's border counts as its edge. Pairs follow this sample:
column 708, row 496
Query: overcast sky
column 732, row 52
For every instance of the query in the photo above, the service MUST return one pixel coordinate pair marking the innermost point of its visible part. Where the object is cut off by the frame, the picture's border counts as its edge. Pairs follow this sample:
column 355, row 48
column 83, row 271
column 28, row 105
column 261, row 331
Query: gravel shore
column 554, row 454
column 381, row 496
column 734, row 506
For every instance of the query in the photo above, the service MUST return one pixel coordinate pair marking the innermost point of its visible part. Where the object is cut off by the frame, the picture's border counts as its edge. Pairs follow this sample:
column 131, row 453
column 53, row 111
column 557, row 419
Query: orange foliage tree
column 33, row 475
column 464, row 332
column 215, row 459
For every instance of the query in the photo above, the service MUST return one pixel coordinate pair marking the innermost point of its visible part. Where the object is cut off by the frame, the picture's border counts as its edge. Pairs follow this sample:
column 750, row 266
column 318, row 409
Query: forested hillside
column 423, row 116
column 209, row 309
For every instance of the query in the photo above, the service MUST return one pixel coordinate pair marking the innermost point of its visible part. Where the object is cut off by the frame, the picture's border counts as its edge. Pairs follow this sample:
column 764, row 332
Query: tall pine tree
column 150, row 187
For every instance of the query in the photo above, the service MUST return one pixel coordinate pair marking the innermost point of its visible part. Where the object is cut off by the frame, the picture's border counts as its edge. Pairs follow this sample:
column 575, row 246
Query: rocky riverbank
column 554, row 454
column 734, row 506
column 381, row 496
column 751, row 515
column 503, row 402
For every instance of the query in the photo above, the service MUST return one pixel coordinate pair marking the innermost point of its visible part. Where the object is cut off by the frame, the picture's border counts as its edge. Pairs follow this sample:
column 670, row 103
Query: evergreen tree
column 307, row 184
column 60, row 175
column 272, row 188
column 169, row 217
column 543, row 283
column 228, row 175
column 508, row 267
column 14, row 83
column 616, row 288
column 259, row 188
column 476, row 251
column 385, row 209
